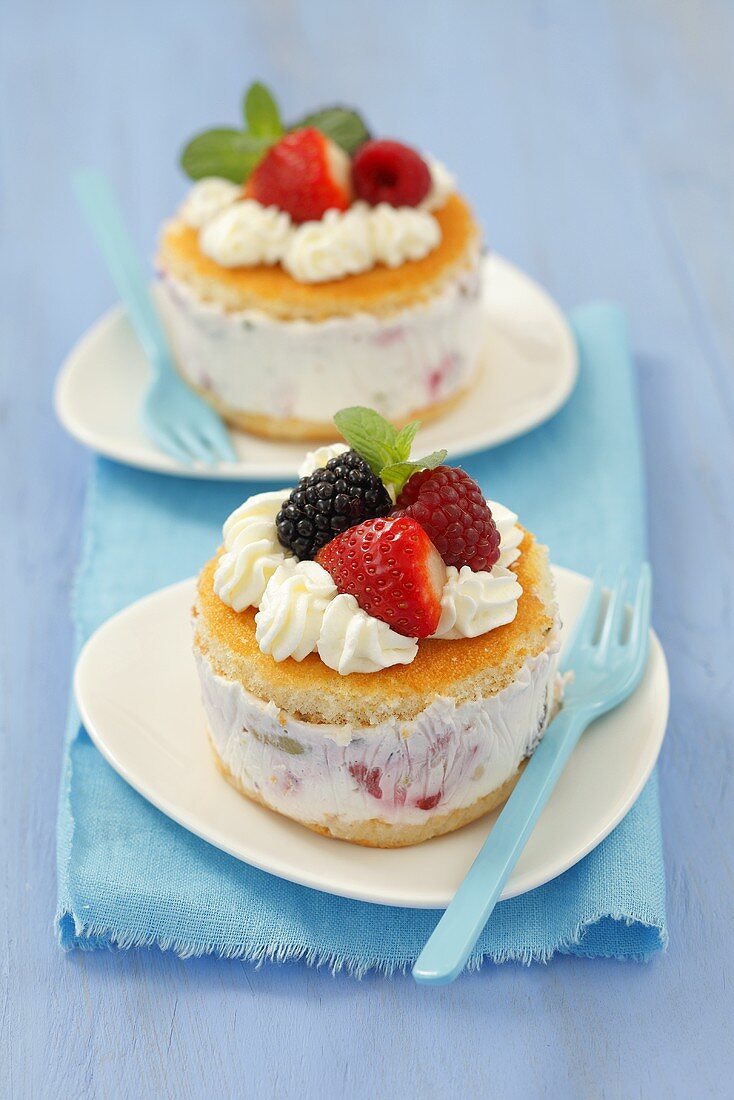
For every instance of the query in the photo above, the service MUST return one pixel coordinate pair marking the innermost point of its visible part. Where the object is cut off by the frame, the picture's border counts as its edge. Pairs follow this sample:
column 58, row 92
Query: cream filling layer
column 401, row 772
column 254, row 363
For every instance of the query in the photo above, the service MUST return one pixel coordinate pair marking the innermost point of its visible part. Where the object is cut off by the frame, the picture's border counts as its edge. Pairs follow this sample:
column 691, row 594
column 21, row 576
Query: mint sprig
column 228, row 154
column 383, row 447
column 398, row 473
column 262, row 113
column 233, row 154
column 343, row 125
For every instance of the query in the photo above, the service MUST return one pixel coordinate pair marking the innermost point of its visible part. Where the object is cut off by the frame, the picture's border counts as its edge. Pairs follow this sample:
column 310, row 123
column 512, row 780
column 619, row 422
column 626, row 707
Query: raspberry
column 304, row 174
column 328, row 501
column 387, row 171
column 393, row 570
column 450, row 507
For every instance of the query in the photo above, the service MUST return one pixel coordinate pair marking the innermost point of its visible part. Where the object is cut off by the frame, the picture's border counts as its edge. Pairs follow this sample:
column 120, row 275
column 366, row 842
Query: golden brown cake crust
column 312, row 431
column 380, row 291
column 376, row 833
column 462, row 669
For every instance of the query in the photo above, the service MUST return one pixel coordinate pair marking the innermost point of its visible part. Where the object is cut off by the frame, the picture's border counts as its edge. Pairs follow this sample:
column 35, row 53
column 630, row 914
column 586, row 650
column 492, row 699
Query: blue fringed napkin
column 128, row 876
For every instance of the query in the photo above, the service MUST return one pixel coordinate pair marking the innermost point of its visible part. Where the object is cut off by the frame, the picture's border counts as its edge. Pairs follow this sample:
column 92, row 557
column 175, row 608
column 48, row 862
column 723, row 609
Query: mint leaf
column 369, row 434
column 398, row 473
column 343, row 125
column 261, row 112
column 385, row 449
column 404, row 439
column 229, row 154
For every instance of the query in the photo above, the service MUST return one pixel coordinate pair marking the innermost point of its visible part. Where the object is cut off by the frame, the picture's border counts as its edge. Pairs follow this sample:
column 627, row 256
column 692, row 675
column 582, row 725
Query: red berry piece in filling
column 304, row 174
column 387, row 171
column 450, row 507
column 369, row 778
column 392, row 569
column 429, row 802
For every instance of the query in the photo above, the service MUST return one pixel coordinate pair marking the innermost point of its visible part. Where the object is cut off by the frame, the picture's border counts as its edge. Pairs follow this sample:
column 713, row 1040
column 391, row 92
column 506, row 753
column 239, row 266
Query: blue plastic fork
column 174, row 417
column 608, row 656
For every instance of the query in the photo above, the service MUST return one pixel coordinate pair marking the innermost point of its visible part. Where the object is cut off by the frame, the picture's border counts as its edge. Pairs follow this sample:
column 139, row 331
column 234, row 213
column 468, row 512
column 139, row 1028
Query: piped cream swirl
column 353, row 641
column 314, row 460
column 300, row 611
column 338, row 244
column 237, row 232
column 443, row 184
column 252, row 551
column 292, row 608
column 246, row 234
column 207, row 198
column 510, row 534
column 475, row 603
column 401, row 233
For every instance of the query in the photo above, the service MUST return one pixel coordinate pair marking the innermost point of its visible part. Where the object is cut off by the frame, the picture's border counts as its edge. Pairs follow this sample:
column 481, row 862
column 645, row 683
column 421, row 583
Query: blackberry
column 338, row 495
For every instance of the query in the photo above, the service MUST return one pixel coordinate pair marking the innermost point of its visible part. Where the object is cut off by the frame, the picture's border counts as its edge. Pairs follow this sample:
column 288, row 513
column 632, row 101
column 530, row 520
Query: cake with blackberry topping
column 377, row 646
column 314, row 266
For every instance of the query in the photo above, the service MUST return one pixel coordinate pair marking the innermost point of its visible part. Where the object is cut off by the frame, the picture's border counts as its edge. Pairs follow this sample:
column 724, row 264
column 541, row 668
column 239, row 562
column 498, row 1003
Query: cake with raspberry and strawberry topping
column 313, row 267
column 377, row 646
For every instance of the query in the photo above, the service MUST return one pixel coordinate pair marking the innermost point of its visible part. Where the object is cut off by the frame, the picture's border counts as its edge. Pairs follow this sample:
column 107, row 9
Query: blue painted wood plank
column 594, row 141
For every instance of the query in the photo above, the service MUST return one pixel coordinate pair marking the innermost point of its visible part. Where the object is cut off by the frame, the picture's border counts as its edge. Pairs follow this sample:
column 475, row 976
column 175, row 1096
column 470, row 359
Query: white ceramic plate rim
column 265, row 466
column 431, row 897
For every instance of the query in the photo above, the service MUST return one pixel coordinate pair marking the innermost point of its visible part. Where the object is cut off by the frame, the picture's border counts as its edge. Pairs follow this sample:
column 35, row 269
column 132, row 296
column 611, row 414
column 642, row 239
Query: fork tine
column 587, row 621
column 215, row 432
column 167, row 443
column 218, row 439
column 196, row 447
column 635, row 649
column 641, row 609
column 613, row 616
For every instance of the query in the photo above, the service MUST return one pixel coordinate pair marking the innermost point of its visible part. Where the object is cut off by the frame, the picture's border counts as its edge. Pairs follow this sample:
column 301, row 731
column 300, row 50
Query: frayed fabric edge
column 75, row 934
column 64, row 817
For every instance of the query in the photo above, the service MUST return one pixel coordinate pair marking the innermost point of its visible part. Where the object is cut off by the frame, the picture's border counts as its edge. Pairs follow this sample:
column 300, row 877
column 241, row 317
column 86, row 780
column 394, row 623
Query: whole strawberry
column 304, row 174
column 392, row 569
column 450, row 507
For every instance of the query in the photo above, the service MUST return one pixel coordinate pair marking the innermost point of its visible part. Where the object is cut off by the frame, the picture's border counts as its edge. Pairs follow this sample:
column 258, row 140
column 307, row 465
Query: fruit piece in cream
column 401, row 772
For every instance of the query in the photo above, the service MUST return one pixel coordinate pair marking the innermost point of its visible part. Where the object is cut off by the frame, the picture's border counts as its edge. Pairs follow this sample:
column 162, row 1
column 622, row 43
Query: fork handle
column 104, row 217
column 444, row 955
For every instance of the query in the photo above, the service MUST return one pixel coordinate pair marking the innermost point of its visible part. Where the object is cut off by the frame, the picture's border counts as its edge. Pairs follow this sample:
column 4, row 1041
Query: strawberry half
column 392, row 569
column 304, row 174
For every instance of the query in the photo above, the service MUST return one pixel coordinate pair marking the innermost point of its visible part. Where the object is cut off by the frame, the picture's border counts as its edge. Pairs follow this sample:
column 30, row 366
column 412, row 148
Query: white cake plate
column 531, row 370
column 138, row 696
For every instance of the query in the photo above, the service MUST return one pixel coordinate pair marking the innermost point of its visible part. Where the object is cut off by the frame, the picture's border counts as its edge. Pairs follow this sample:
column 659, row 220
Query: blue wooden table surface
column 595, row 141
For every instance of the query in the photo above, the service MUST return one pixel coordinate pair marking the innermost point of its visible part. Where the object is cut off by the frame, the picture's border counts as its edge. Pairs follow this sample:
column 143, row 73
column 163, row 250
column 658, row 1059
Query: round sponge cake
column 380, row 291
column 387, row 758
column 278, row 357
column 460, row 669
